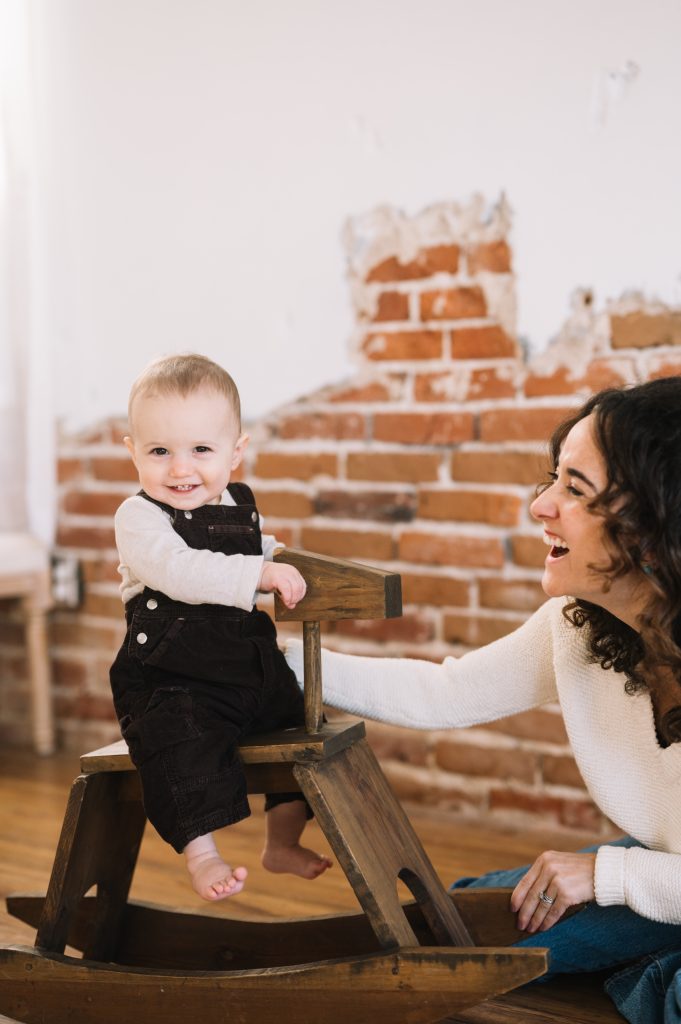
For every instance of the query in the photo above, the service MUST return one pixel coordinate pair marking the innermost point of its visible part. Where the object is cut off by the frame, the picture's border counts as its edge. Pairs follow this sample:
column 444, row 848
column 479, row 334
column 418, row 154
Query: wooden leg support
column 99, row 843
column 375, row 845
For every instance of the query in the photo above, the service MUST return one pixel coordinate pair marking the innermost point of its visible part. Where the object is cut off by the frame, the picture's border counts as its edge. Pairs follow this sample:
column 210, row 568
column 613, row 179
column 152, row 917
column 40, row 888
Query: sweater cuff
column 609, row 876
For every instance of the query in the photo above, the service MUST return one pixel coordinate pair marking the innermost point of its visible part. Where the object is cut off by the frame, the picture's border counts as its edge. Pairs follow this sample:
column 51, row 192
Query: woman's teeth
column 557, row 545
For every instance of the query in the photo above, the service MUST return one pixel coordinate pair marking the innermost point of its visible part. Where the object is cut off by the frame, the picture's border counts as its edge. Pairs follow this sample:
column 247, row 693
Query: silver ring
column 548, row 900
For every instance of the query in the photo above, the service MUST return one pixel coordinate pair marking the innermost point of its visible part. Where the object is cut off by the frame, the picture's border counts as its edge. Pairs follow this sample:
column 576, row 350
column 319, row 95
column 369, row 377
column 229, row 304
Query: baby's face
column 185, row 447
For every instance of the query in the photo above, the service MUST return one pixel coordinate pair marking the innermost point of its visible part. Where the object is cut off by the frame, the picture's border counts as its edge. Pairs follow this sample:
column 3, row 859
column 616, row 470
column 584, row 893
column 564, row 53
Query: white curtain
column 27, row 444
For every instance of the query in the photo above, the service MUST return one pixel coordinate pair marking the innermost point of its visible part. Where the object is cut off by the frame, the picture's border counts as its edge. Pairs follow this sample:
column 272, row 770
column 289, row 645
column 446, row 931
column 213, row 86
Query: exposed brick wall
column 424, row 461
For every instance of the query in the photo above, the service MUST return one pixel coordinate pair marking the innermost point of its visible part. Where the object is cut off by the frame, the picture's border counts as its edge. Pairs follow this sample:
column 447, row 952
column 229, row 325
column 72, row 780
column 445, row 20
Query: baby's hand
column 285, row 580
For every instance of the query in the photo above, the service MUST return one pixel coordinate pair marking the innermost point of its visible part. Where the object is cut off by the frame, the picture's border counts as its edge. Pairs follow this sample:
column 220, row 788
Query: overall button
column 254, row 516
column 152, row 603
column 142, row 638
column 187, row 515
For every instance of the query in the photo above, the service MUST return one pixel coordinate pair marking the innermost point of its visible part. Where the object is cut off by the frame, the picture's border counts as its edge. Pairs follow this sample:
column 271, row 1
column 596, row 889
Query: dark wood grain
column 338, row 589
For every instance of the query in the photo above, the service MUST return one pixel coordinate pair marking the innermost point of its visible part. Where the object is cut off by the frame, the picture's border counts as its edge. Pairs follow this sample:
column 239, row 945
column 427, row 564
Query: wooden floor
column 33, row 796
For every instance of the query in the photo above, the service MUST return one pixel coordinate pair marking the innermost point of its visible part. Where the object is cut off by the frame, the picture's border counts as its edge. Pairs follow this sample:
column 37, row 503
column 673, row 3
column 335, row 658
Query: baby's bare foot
column 294, row 860
column 213, row 879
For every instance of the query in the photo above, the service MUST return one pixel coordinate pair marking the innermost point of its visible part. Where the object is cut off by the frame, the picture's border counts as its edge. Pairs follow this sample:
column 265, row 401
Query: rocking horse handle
column 336, row 589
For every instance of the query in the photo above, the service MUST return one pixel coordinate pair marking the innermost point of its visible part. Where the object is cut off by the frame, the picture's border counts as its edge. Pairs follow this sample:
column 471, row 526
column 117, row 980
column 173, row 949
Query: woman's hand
column 566, row 878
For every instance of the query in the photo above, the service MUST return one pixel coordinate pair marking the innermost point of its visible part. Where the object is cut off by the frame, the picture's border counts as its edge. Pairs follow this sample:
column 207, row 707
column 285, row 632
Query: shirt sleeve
column 645, row 880
column 152, row 552
column 503, row 678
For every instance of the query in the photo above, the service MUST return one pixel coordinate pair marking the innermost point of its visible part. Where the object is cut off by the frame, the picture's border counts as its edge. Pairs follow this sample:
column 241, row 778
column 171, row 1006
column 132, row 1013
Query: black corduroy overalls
column 191, row 680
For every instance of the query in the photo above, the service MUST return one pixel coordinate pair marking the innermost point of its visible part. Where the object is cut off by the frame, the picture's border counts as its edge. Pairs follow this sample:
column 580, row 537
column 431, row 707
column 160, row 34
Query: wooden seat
column 25, row 574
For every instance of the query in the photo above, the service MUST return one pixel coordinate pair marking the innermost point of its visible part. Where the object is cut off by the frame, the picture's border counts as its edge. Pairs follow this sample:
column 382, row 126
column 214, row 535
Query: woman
column 608, row 647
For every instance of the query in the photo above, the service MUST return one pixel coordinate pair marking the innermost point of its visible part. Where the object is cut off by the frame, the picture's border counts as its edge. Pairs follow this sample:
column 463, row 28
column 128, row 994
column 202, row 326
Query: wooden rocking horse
column 416, row 962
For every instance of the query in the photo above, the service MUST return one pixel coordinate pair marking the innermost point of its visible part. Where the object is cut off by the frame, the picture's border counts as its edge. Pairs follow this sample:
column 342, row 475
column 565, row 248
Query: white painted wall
column 198, row 158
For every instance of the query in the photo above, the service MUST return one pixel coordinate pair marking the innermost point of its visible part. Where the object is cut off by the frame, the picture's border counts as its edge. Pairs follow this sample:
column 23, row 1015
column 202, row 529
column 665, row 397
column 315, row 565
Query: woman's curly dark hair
column 638, row 432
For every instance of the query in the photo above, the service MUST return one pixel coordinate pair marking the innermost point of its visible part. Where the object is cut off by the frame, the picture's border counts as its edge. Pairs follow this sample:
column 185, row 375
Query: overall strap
column 242, row 494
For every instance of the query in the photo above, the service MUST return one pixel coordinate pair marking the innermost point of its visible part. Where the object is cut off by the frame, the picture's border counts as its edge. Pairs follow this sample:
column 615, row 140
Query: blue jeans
column 648, row 989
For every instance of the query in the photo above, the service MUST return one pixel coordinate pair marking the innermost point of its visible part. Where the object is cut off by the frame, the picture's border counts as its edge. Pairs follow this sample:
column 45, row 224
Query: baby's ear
column 130, row 445
column 239, row 450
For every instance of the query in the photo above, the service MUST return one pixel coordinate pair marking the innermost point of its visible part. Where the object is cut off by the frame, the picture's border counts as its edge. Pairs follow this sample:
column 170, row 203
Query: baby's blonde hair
column 183, row 375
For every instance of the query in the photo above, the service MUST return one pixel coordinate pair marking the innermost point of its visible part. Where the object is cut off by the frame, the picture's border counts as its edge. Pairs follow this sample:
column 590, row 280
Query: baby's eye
column 201, row 448
column 159, row 451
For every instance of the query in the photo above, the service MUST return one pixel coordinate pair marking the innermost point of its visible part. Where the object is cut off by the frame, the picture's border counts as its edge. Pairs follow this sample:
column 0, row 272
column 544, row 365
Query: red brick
column 333, row 426
column 72, row 632
column 528, row 551
column 490, row 342
column 85, row 536
column 90, row 707
column 384, row 390
column 504, row 467
column 392, row 306
column 104, row 468
column 574, row 813
column 644, row 330
column 69, row 469
column 471, row 507
column 119, row 429
column 434, row 590
column 601, row 373
column 416, row 787
column 286, row 536
column 491, row 383
column 405, row 745
column 102, row 605
column 286, row 504
column 433, row 260
column 403, row 345
column 491, row 762
column 453, row 304
column 69, row 671
column 491, row 256
column 407, row 629
column 385, row 506
column 664, row 367
column 93, row 503
column 348, row 543
column 476, row 630
column 521, row 424
column 561, row 771
column 537, row 724
column 12, row 633
column 515, row 595
column 424, row 428
column 398, row 466
column 296, row 466
column 101, row 570
column 439, row 549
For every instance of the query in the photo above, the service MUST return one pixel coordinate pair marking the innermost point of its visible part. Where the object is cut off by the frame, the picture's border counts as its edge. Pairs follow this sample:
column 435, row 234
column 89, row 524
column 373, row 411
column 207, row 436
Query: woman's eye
column 574, row 490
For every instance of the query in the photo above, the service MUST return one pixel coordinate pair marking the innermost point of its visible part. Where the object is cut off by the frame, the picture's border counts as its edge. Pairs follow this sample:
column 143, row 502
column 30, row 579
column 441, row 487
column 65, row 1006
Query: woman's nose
column 543, row 506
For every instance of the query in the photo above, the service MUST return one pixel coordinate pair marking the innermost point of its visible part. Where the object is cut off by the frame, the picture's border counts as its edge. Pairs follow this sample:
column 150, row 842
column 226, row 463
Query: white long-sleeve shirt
column 153, row 554
column 634, row 781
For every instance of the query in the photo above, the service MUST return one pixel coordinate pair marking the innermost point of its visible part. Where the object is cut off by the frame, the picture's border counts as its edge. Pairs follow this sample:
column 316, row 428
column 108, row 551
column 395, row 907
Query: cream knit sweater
column 635, row 782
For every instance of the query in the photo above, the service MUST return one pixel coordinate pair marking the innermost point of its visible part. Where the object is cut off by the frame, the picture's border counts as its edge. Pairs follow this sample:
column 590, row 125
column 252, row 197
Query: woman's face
column 575, row 536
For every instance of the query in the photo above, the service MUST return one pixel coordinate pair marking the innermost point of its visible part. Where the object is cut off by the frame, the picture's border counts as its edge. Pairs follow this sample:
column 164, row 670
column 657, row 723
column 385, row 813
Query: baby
column 199, row 666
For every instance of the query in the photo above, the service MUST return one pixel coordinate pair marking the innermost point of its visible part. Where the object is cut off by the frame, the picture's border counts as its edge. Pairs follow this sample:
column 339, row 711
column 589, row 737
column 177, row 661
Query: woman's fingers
column 553, row 883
